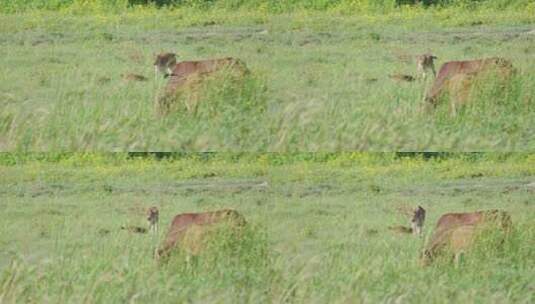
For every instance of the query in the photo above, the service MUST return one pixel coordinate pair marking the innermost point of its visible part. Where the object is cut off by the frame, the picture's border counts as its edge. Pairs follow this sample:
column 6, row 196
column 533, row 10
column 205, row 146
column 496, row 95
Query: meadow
column 319, row 77
column 317, row 228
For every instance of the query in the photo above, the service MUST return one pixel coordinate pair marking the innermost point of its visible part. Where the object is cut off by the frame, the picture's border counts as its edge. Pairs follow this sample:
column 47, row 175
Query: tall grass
column 320, row 78
column 204, row 160
column 271, row 6
column 242, row 255
column 311, row 89
column 317, row 231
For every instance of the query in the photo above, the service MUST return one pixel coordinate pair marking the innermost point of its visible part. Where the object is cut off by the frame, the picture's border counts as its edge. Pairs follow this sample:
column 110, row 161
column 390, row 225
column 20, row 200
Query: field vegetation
column 319, row 75
column 317, row 227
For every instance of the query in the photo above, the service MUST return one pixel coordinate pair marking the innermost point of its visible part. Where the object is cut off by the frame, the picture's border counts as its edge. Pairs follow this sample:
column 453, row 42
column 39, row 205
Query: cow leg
column 458, row 258
column 188, row 261
column 163, row 104
column 191, row 102
column 195, row 99
column 188, row 106
column 421, row 71
column 453, row 108
column 192, row 261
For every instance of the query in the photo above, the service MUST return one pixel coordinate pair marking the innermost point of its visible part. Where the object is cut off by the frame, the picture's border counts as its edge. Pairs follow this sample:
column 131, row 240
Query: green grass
column 61, row 87
column 272, row 6
column 309, row 241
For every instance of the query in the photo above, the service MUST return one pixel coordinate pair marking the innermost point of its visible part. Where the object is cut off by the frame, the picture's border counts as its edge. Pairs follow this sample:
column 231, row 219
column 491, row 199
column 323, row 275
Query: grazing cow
column 456, row 231
column 417, row 223
column 189, row 230
column 189, row 74
column 457, row 77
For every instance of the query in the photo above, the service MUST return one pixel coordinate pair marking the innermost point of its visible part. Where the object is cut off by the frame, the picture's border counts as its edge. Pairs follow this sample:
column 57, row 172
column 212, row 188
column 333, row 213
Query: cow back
column 192, row 70
column 457, row 229
column 191, row 227
column 469, row 67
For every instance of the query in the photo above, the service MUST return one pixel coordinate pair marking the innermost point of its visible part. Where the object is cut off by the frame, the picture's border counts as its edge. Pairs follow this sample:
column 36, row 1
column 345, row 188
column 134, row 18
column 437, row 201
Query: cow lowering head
column 456, row 78
column 190, row 231
column 457, row 232
column 186, row 79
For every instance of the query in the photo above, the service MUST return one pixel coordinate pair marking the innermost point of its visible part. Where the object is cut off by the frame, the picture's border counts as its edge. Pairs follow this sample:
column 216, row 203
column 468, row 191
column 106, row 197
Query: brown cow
column 187, row 75
column 189, row 230
column 457, row 77
column 456, row 231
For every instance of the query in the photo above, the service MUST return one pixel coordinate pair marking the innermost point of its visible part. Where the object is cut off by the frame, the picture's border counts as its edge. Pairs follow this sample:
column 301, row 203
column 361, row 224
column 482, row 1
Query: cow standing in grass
column 456, row 232
column 457, row 78
column 186, row 76
column 190, row 231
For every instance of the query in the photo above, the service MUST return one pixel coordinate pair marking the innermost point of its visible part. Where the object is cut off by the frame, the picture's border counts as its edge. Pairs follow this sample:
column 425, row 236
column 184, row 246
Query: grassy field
column 311, row 234
column 312, row 86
